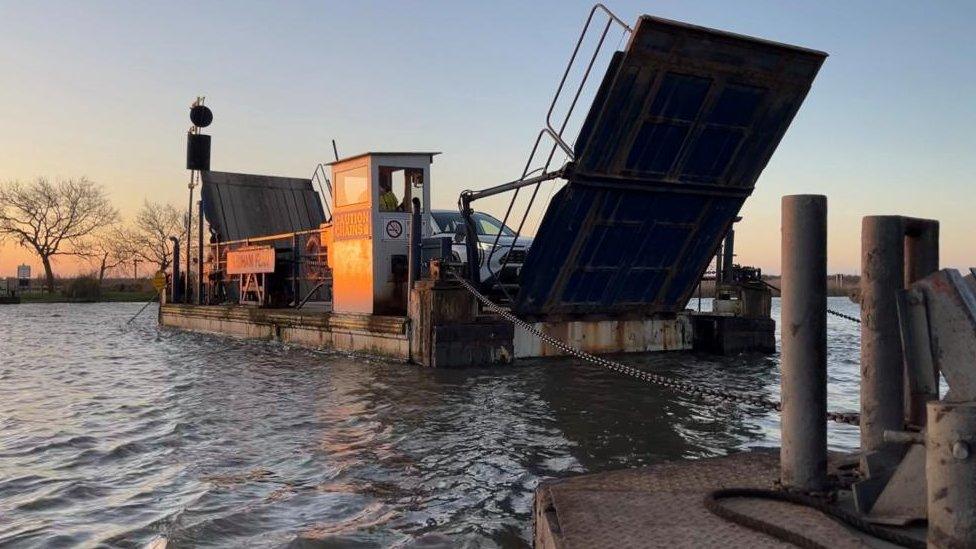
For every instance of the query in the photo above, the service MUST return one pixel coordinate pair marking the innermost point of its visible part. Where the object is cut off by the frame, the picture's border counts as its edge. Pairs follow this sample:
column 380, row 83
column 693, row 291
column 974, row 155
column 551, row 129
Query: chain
column 829, row 311
column 842, row 315
column 662, row 381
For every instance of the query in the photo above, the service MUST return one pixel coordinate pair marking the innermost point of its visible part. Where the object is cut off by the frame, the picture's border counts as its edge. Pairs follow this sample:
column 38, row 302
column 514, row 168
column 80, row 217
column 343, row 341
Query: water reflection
column 117, row 436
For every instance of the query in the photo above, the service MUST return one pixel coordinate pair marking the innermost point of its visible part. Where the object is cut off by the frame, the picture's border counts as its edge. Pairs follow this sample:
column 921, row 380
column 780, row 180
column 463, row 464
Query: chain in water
column 829, row 311
column 842, row 315
column 663, row 381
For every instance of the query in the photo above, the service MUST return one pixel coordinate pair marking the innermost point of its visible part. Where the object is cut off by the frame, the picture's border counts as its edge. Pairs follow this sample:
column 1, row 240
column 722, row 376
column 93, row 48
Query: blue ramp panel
column 682, row 125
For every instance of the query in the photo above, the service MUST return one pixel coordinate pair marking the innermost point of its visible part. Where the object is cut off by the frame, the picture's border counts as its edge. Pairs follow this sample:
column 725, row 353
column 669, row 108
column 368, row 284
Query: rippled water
column 112, row 435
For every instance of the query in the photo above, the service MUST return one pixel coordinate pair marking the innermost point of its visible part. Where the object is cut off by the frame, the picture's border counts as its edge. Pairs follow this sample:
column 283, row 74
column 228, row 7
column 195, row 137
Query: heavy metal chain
column 829, row 311
column 662, row 381
column 842, row 315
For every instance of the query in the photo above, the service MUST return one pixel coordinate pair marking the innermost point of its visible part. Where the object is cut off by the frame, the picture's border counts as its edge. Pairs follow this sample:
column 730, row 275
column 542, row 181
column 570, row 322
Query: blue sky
column 102, row 89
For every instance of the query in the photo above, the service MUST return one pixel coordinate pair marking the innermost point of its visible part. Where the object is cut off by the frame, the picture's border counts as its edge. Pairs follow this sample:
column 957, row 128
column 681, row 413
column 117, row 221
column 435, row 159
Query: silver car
column 451, row 223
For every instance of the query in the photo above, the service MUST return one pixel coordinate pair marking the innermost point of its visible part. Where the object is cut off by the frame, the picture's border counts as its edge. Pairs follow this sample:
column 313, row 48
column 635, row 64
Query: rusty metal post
column 803, row 457
column 199, row 296
column 296, row 270
column 413, row 254
column 921, row 249
column 718, row 266
column 882, row 376
column 728, row 249
column 950, row 472
column 921, row 260
column 176, row 285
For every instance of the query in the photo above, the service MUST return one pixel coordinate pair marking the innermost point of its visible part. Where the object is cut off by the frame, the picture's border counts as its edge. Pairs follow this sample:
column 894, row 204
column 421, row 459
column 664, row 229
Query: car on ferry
column 510, row 251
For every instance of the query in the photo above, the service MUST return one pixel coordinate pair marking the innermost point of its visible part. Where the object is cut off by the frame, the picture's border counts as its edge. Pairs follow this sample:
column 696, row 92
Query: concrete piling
column 803, row 458
column 950, row 472
column 882, row 377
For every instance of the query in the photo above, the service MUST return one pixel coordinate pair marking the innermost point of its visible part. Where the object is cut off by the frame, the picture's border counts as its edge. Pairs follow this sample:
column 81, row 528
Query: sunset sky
column 102, row 89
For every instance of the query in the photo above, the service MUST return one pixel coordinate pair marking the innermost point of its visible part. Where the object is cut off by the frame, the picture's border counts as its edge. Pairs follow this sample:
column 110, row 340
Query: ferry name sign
column 251, row 260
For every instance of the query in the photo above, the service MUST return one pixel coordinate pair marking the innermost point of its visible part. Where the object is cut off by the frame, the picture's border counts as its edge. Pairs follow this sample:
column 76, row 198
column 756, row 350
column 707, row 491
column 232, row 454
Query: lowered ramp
column 683, row 123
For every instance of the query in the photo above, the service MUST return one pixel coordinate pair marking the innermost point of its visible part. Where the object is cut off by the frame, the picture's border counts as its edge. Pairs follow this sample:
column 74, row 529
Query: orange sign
column 159, row 281
column 351, row 225
column 251, row 260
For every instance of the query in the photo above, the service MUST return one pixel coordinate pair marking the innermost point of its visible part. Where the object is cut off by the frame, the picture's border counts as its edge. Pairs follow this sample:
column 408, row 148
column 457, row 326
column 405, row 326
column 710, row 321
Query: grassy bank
column 107, row 296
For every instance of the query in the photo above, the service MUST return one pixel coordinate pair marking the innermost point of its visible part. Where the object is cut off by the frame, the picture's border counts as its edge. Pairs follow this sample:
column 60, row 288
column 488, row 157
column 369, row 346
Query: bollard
column 950, row 472
column 882, row 377
column 803, row 457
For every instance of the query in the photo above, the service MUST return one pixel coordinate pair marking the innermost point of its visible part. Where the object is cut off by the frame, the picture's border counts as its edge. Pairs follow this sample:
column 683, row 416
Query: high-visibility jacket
column 388, row 202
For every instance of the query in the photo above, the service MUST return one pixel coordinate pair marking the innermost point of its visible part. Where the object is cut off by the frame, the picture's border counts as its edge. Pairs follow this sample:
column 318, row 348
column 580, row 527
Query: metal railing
column 320, row 176
column 559, row 143
column 301, row 261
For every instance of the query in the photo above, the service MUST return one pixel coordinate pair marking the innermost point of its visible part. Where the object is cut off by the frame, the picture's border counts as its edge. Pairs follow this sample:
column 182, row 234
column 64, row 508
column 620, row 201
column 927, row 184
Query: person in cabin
column 388, row 200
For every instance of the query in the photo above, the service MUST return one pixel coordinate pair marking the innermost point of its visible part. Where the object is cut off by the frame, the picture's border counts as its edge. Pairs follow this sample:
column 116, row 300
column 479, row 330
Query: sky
column 102, row 89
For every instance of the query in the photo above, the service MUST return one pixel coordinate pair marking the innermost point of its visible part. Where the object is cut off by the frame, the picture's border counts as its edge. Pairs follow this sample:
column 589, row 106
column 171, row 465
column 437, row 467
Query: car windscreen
column 485, row 225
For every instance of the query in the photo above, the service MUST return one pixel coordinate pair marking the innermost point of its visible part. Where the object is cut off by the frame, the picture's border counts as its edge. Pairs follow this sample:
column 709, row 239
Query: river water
column 116, row 435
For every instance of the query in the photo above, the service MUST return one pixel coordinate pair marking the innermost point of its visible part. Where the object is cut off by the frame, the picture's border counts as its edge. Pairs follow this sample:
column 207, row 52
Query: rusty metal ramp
column 683, row 123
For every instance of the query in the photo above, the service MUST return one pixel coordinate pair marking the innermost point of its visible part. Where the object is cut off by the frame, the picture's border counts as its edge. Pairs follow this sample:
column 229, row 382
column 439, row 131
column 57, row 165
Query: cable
column 143, row 308
column 713, row 498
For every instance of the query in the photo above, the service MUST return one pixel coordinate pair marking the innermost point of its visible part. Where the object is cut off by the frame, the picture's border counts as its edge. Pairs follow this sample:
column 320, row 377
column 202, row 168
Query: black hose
column 713, row 504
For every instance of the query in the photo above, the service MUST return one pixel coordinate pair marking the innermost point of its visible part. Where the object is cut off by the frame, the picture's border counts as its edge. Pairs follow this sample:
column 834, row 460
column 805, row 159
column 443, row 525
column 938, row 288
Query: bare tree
column 51, row 218
column 148, row 238
column 105, row 250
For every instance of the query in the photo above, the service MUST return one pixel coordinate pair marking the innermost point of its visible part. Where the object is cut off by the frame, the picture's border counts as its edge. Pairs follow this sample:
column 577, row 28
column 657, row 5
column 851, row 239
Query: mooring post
column 413, row 254
column 882, row 375
column 803, row 457
column 950, row 473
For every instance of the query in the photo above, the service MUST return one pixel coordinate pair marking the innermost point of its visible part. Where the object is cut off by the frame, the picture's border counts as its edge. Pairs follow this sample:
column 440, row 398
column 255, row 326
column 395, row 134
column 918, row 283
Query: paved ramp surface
column 661, row 506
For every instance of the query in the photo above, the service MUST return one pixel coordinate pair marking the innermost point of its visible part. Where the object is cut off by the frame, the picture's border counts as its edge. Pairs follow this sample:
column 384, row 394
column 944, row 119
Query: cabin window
column 404, row 183
column 351, row 187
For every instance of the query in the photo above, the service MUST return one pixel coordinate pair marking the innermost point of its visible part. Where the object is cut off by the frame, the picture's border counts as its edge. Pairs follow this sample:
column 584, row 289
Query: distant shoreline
column 106, row 297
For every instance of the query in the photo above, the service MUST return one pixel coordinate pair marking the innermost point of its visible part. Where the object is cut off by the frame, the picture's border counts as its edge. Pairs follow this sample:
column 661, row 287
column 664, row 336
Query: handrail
column 309, row 295
column 268, row 238
column 611, row 18
column 325, row 197
column 552, row 132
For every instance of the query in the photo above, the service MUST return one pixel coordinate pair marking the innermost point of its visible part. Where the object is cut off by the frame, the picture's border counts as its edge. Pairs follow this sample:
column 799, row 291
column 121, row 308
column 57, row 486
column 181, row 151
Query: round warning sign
column 394, row 228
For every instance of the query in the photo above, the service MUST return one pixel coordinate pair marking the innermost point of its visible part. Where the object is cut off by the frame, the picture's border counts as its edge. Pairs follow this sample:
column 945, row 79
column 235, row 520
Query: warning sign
column 159, row 281
column 394, row 229
column 351, row 225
